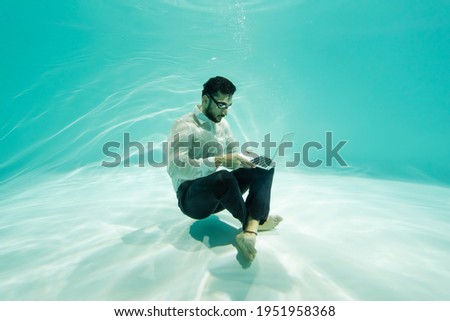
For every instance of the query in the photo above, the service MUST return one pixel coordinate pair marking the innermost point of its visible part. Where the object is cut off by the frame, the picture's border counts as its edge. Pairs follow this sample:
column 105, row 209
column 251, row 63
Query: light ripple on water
column 117, row 234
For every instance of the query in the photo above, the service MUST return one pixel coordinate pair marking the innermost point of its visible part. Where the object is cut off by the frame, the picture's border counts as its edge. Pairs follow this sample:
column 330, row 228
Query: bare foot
column 270, row 223
column 246, row 245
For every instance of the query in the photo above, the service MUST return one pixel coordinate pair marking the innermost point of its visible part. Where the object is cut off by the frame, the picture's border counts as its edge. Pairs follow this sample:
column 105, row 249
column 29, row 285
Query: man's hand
column 233, row 161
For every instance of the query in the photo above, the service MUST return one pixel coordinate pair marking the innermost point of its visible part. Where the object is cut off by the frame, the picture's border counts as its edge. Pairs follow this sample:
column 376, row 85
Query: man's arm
column 232, row 159
column 181, row 152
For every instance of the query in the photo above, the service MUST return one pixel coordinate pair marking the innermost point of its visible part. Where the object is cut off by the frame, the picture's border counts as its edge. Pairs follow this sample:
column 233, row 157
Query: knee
column 224, row 177
column 259, row 172
column 224, row 182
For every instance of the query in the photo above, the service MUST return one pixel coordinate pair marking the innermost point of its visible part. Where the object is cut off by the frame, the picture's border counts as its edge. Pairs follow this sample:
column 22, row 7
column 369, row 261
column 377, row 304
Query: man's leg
column 202, row 197
column 259, row 184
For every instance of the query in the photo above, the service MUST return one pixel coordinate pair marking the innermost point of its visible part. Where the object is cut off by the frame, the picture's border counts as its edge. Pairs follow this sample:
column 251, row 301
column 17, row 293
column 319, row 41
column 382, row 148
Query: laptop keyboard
column 261, row 161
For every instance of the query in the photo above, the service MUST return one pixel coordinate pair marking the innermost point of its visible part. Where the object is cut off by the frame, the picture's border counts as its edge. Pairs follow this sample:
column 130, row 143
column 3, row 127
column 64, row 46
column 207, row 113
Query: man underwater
column 200, row 147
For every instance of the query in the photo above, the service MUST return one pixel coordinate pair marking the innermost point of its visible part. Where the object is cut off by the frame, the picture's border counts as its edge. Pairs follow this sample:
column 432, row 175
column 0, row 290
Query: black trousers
column 221, row 190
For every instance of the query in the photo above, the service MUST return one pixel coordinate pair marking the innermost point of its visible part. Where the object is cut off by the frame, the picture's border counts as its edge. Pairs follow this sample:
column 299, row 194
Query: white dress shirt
column 193, row 142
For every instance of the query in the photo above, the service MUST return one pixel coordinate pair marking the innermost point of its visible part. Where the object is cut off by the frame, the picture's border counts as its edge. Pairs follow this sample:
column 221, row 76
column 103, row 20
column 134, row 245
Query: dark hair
column 216, row 84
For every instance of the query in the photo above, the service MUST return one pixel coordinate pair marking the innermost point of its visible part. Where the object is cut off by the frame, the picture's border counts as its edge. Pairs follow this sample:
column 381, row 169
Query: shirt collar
column 203, row 119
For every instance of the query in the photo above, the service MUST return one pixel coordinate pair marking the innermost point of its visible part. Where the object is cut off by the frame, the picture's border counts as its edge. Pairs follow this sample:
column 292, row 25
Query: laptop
column 268, row 163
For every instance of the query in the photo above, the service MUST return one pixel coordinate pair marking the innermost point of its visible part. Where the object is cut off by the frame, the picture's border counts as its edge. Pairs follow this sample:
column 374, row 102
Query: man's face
column 217, row 106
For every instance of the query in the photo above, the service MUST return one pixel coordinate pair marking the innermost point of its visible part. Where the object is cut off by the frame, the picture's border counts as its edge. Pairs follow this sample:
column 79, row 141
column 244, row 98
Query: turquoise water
column 78, row 74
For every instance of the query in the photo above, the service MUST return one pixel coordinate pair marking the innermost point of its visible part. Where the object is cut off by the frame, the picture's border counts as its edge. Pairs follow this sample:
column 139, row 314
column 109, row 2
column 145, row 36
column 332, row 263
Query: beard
column 210, row 115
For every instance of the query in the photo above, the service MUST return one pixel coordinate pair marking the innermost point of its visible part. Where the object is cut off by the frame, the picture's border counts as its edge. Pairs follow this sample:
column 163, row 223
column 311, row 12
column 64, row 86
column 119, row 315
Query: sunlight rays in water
column 89, row 73
column 80, row 117
column 117, row 234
